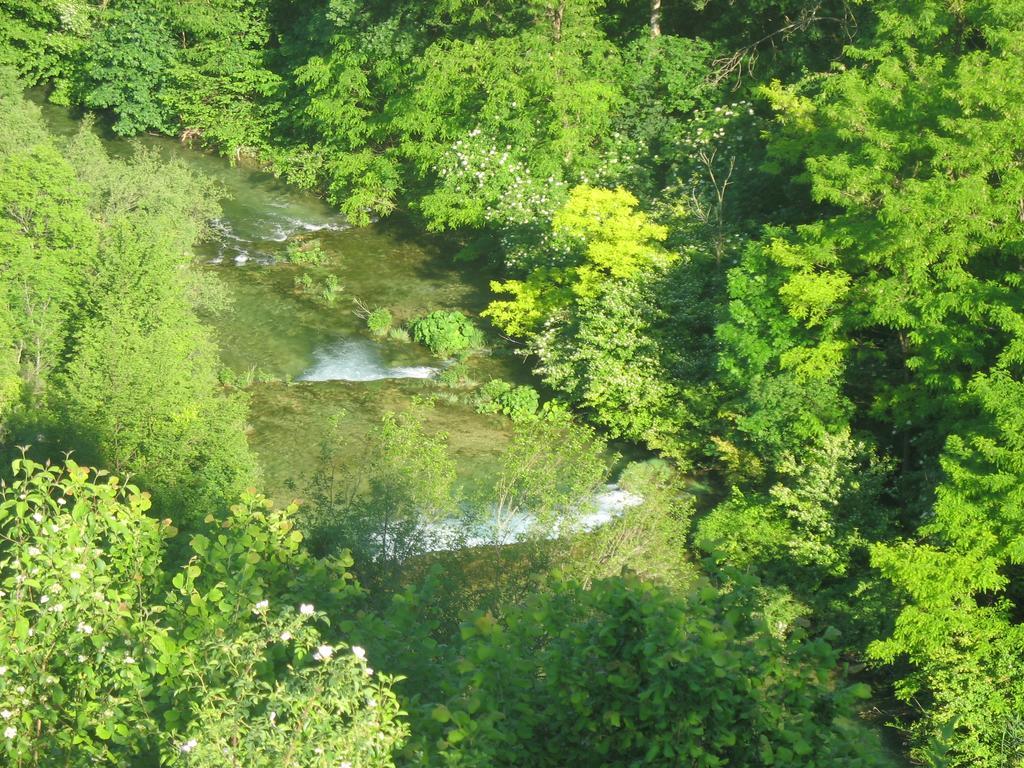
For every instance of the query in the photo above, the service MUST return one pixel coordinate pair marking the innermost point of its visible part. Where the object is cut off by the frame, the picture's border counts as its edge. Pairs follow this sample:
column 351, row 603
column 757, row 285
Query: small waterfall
column 359, row 360
column 604, row 506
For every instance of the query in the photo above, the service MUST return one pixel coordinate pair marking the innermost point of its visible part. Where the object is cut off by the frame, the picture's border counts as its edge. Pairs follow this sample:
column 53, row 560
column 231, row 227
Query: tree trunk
column 655, row 18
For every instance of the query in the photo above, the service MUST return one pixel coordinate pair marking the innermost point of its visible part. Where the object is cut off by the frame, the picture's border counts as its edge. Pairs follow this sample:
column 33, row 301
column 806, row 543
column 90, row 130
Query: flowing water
column 305, row 359
column 317, row 359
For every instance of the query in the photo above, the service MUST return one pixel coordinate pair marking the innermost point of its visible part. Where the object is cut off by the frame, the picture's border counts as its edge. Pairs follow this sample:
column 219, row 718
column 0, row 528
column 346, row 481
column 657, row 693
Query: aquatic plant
column 330, row 289
column 499, row 396
column 379, row 321
column 447, row 333
column 455, row 376
column 400, row 334
column 309, row 252
column 304, row 283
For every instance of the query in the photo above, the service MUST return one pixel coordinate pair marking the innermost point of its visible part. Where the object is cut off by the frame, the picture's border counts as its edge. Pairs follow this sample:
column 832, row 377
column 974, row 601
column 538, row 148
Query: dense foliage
column 110, row 658
column 776, row 243
column 447, row 333
column 626, row 673
column 99, row 314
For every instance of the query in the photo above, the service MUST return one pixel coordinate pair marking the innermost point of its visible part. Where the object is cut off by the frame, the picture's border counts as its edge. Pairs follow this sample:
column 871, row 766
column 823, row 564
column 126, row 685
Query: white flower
column 273, row 717
column 345, row 764
column 75, row 575
column 84, row 628
column 6, row 714
column 286, row 636
column 323, row 653
column 368, row 671
column 62, row 501
column 3, row 671
column 360, row 653
column 34, row 551
column 10, row 732
column 37, row 517
column 306, row 609
column 261, row 606
column 189, row 745
column 129, row 660
column 44, row 599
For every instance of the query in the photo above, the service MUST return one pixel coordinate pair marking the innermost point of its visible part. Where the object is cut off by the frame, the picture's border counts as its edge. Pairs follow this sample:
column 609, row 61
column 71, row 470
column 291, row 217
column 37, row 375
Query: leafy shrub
column 330, row 289
column 399, row 334
column 447, row 333
column 629, row 673
column 304, row 283
column 79, row 569
column 518, row 403
column 100, row 665
column 379, row 321
column 456, row 375
column 298, row 252
column 639, row 476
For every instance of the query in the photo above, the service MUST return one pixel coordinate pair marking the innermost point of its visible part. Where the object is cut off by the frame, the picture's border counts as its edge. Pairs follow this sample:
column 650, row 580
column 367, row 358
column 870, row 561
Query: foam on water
column 609, row 504
column 359, row 360
column 602, row 508
column 276, row 229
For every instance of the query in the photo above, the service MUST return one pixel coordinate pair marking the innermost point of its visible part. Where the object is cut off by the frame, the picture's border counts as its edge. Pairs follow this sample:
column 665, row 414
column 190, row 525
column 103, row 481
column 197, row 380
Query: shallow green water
column 319, row 355
column 325, row 361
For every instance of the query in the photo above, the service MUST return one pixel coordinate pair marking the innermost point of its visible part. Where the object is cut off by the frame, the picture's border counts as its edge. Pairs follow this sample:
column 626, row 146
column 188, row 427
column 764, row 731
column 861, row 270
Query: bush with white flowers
column 106, row 660
column 79, row 565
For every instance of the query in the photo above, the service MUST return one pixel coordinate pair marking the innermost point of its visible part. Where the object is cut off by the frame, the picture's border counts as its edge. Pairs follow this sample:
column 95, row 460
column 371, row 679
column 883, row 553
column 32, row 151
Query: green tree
column 543, row 490
column 43, row 41
column 99, row 664
column 128, row 59
column 139, row 391
column 900, row 298
column 588, row 309
column 960, row 598
column 99, row 318
column 48, row 242
column 397, row 500
column 647, row 537
column 219, row 86
column 603, row 237
column 630, row 673
column 10, row 381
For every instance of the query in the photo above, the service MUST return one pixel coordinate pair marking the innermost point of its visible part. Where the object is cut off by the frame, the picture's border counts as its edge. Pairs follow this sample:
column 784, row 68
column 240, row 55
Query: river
column 313, row 360
column 304, row 360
